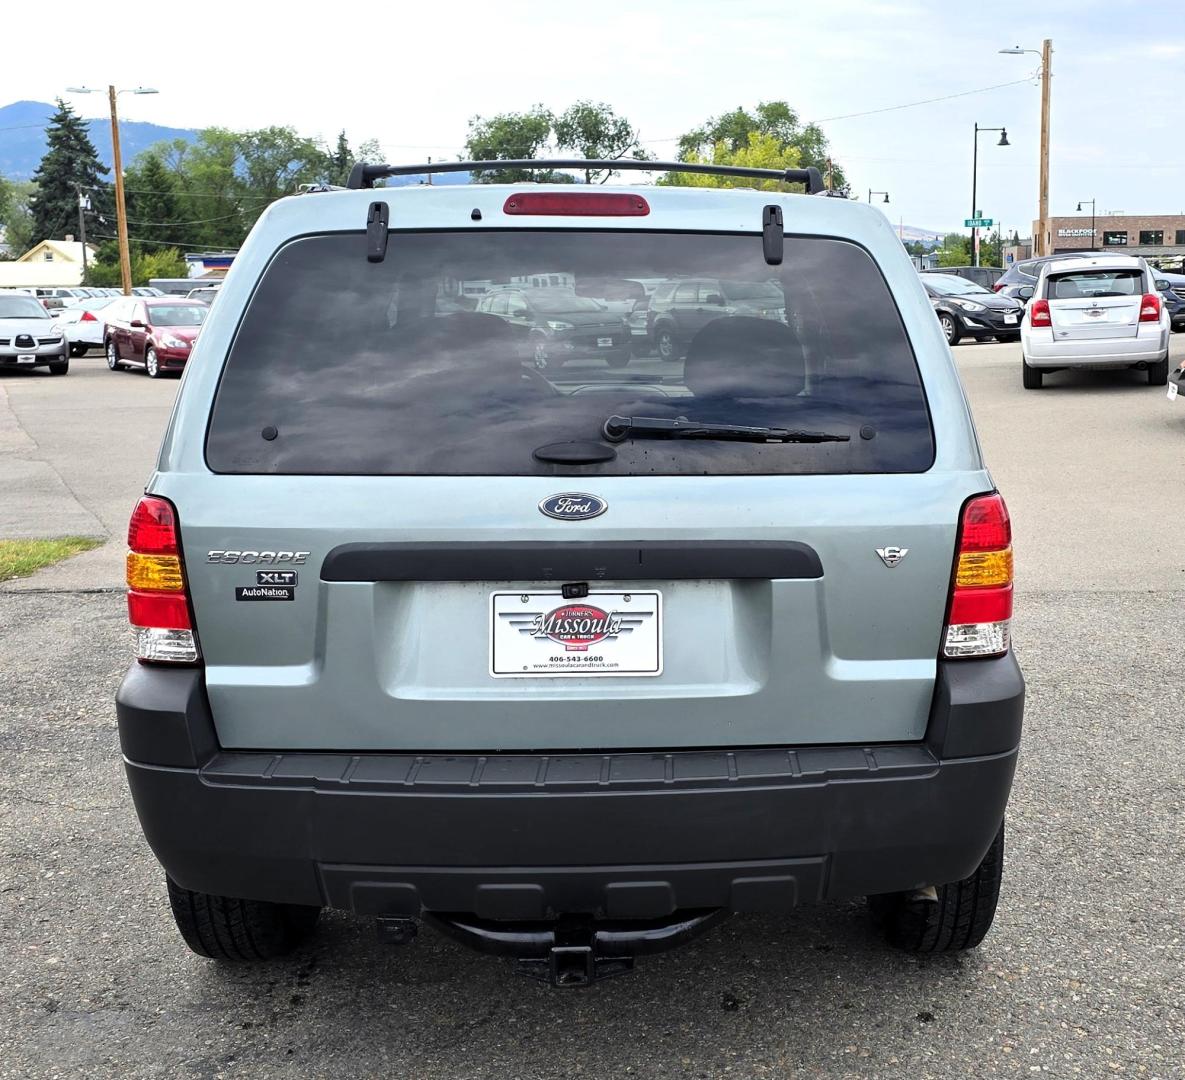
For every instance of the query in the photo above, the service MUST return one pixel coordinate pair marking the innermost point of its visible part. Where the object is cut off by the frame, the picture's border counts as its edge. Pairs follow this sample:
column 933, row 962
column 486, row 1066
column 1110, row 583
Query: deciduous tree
column 775, row 119
column 511, row 136
column 595, row 131
column 757, row 152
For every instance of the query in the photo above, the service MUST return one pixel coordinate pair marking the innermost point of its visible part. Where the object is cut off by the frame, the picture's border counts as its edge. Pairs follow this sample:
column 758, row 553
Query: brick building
column 1159, row 237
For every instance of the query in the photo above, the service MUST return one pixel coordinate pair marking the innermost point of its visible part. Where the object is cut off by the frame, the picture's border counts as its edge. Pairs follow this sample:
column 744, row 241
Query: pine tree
column 70, row 163
column 342, row 160
column 154, row 208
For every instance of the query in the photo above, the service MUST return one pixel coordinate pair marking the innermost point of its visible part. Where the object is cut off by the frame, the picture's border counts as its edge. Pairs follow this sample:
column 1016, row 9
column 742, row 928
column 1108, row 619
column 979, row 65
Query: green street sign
column 977, row 223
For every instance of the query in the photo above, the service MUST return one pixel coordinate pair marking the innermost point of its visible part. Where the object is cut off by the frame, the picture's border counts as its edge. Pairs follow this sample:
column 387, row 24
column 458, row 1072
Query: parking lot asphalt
column 76, row 452
column 1082, row 976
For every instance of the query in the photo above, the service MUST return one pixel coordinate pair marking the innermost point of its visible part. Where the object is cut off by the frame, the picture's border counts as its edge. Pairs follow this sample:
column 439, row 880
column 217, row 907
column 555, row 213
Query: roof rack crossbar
column 364, row 176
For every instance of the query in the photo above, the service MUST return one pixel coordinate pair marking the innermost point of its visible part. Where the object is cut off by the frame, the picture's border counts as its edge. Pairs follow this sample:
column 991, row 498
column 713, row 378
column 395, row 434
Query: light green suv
column 570, row 662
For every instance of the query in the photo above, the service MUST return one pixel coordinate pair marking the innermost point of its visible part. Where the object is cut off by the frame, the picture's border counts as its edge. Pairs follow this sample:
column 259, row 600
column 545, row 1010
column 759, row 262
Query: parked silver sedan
column 83, row 323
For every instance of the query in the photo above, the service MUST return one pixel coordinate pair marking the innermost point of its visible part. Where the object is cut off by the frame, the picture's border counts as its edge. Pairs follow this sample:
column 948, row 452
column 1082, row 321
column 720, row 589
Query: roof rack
column 364, row 176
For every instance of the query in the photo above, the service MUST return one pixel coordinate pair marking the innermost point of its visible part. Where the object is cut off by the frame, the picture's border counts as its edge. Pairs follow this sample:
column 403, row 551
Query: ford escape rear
column 570, row 660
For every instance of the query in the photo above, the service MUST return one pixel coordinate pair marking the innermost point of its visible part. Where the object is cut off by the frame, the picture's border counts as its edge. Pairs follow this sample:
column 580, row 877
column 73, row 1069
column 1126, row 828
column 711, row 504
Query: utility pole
column 1041, row 232
column 1043, row 195
column 83, row 204
column 829, row 188
column 121, row 213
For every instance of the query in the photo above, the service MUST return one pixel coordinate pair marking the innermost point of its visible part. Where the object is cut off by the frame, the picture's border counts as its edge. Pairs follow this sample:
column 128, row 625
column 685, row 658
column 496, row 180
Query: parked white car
column 83, row 323
column 1095, row 312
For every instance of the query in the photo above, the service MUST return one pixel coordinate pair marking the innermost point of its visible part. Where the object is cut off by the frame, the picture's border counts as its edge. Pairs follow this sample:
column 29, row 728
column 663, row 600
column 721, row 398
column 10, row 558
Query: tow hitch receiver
column 575, row 950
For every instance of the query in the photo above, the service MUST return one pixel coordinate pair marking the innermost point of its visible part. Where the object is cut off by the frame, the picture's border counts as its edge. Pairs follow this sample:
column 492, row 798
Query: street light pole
column 974, row 178
column 1041, row 240
column 1092, row 218
column 121, row 215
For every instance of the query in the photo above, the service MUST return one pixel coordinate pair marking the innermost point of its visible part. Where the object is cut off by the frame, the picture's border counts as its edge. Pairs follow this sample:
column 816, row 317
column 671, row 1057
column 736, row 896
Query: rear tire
column 1032, row 376
column 112, row 356
column 1158, row 373
column 226, row 928
column 961, row 917
column 619, row 359
column 78, row 349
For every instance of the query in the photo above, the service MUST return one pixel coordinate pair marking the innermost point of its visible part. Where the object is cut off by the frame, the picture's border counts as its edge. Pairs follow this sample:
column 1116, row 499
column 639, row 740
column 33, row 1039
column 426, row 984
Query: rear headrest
column 741, row 357
column 1066, row 289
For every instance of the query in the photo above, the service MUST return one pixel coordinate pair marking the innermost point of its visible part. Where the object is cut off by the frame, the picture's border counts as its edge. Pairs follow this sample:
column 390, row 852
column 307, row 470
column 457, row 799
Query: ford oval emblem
column 573, row 506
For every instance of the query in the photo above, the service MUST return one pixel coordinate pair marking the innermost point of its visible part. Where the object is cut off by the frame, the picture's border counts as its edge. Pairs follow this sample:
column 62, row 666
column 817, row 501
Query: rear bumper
column 1040, row 351
column 526, row 836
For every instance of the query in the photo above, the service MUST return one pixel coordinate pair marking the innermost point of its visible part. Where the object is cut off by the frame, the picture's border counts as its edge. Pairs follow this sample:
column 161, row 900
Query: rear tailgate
column 339, row 401
column 1098, row 302
column 1105, row 317
column 844, row 657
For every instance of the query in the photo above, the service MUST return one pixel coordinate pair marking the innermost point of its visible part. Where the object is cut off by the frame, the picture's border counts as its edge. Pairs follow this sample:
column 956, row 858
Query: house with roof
column 49, row 264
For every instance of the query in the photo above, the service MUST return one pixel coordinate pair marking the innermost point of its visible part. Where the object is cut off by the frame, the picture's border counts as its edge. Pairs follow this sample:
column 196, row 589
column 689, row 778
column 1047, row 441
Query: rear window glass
column 429, row 363
column 177, row 314
column 1095, row 283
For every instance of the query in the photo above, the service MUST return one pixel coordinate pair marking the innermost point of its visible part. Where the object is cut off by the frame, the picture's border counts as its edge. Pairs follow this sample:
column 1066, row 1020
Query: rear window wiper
column 619, row 428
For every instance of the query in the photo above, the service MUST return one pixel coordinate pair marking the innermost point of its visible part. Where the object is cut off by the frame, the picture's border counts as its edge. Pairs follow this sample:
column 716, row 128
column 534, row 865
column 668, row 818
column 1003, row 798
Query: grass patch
column 20, row 558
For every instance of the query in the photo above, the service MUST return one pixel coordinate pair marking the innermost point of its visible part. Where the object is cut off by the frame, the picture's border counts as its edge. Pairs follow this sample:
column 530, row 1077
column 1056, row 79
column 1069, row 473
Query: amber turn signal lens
column 154, row 573
column 984, row 568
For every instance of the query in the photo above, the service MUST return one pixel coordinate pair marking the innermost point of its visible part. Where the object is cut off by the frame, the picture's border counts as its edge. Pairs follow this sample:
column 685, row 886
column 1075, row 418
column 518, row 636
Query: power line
column 924, row 101
column 157, row 243
column 194, row 221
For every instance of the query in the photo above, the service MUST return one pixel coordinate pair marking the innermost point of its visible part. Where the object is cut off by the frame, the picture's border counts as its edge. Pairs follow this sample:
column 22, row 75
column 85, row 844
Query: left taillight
column 980, row 619
column 158, row 602
column 86, row 316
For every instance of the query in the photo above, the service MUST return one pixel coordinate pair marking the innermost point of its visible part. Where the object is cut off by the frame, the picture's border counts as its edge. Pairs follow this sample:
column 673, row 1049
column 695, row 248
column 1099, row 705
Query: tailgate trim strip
column 572, row 561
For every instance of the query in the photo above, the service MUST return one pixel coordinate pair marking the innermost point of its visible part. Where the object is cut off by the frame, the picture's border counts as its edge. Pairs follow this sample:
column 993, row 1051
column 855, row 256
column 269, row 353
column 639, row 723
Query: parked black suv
column 680, row 309
column 987, row 276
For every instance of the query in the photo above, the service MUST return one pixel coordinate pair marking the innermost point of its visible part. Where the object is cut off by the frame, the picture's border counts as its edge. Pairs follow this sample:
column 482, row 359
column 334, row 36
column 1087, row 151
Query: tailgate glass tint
column 462, row 353
column 1095, row 284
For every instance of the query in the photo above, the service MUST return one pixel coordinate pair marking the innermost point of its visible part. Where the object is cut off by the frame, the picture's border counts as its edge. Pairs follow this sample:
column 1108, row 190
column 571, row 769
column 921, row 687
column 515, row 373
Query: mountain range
column 23, row 142
column 22, row 137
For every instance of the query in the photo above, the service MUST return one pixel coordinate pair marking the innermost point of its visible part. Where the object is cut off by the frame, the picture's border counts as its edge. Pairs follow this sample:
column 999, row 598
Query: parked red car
column 157, row 333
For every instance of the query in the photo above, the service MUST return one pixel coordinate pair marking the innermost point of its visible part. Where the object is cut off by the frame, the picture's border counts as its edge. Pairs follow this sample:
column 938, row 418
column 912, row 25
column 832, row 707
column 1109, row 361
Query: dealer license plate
column 604, row 342
column 539, row 634
column 1011, row 320
column 26, row 358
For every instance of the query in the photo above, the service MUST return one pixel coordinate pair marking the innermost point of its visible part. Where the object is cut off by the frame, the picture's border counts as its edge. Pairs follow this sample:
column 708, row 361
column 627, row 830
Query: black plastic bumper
column 633, row 835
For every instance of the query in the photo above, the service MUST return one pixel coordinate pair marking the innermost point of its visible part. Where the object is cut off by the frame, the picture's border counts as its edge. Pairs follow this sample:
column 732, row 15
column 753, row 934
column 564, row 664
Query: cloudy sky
column 412, row 74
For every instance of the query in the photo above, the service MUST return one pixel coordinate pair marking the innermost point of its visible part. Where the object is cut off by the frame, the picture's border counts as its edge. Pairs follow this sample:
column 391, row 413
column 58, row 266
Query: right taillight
column 158, row 604
column 1039, row 313
column 1150, row 308
column 979, row 622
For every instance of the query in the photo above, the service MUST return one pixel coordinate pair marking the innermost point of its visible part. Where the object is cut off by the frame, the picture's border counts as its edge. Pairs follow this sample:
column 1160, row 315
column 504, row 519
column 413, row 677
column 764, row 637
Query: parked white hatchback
column 1095, row 312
